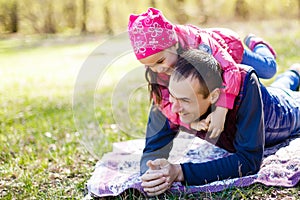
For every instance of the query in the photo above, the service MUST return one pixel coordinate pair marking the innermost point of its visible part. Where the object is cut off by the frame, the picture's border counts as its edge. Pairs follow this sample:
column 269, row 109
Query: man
column 261, row 116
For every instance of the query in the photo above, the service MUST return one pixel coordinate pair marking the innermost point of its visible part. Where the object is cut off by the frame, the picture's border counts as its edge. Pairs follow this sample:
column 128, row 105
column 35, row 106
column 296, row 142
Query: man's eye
column 185, row 100
column 171, row 99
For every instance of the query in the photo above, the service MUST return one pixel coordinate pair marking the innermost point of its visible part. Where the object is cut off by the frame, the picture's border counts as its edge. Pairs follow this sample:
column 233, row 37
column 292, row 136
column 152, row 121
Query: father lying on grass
column 260, row 116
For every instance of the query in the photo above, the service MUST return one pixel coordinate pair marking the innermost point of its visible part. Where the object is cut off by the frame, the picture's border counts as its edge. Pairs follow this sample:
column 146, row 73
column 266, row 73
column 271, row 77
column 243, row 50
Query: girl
column 157, row 42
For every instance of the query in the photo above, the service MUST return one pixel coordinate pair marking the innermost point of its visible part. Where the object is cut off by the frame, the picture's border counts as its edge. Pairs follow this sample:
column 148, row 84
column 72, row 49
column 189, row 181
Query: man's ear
column 214, row 95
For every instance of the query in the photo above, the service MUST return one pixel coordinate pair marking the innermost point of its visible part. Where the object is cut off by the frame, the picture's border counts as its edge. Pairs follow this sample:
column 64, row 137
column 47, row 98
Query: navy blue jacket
column 265, row 116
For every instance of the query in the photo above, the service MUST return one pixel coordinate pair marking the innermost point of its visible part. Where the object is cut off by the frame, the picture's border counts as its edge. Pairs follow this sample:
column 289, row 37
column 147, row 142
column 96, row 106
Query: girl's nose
column 160, row 69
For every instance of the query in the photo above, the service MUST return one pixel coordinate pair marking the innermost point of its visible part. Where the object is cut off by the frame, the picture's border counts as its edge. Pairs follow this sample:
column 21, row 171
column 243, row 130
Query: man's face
column 186, row 99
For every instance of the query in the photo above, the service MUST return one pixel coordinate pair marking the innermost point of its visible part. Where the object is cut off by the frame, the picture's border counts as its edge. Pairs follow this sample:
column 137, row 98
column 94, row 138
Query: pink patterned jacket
column 226, row 47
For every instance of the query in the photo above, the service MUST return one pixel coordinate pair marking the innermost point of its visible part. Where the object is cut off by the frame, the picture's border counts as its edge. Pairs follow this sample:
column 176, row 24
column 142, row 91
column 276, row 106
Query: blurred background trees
column 110, row 16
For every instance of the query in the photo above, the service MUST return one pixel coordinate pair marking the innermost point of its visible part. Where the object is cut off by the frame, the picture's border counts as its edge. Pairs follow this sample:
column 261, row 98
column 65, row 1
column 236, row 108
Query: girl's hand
column 217, row 121
column 200, row 125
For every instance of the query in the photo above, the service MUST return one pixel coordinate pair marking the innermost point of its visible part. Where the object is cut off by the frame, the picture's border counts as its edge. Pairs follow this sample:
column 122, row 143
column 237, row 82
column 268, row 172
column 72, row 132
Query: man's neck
column 209, row 110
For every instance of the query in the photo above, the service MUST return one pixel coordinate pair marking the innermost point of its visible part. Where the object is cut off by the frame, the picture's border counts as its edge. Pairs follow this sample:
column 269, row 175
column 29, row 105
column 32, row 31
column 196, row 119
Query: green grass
column 41, row 155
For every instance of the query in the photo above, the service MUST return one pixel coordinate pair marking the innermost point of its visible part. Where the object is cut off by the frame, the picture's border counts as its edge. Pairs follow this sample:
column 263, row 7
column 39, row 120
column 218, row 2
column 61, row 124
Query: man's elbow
column 250, row 164
column 254, row 166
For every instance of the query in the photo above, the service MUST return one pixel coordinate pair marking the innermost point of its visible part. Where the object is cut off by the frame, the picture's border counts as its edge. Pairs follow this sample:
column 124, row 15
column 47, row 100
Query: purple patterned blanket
column 118, row 170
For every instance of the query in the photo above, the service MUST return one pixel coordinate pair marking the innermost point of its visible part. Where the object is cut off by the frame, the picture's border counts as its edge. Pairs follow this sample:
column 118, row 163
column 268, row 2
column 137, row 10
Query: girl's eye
column 160, row 61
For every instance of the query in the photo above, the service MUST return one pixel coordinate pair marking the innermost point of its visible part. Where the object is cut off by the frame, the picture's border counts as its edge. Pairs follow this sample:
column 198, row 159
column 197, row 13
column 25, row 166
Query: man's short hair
column 200, row 65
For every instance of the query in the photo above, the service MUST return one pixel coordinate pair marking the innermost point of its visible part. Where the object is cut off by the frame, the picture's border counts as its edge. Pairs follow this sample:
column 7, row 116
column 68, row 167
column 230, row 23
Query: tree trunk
column 299, row 9
column 181, row 15
column 241, row 9
column 49, row 24
column 14, row 17
column 70, row 12
column 84, row 16
column 153, row 4
column 107, row 19
column 203, row 17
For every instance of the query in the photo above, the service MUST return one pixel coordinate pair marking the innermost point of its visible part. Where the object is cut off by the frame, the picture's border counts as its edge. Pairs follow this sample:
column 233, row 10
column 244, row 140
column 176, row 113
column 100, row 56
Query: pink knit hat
column 150, row 33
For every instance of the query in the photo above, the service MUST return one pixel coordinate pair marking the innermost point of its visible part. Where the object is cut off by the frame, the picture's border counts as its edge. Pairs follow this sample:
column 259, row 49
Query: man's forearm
column 159, row 138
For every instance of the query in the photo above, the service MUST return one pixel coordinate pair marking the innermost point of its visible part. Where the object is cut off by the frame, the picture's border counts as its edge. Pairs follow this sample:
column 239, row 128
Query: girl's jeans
column 262, row 60
column 288, row 80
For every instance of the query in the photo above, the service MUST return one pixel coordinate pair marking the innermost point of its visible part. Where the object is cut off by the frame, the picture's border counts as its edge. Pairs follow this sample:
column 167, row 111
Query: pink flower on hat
column 155, row 30
column 150, row 33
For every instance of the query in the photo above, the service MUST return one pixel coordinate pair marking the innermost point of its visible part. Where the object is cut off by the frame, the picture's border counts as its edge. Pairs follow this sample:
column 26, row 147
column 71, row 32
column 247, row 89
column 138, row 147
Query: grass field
column 41, row 155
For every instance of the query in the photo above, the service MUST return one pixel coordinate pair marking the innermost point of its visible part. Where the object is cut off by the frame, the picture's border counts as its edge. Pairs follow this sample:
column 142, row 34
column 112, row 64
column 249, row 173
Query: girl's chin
column 168, row 72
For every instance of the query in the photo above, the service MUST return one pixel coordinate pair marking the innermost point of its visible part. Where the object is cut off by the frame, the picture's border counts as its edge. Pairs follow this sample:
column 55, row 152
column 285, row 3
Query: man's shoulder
column 246, row 72
column 245, row 68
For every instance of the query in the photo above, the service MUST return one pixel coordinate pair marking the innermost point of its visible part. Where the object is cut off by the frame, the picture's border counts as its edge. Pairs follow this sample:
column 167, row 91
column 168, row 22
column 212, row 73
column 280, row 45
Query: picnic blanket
column 118, row 170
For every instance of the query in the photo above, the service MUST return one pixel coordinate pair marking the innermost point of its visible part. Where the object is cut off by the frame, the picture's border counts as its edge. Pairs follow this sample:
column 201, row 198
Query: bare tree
column 107, row 18
column 49, row 23
column 153, row 4
column 70, row 12
column 203, row 15
column 9, row 16
column 84, row 16
column 299, row 9
column 14, row 17
column 241, row 9
column 181, row 15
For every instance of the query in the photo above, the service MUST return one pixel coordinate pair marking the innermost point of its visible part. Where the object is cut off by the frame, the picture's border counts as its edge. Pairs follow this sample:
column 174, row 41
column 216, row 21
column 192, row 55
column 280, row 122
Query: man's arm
column 159, row 138
column 249, row 144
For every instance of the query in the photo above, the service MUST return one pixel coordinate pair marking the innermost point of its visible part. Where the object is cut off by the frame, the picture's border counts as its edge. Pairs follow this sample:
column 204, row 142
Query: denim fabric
column 262, row 60
column 281, row 107
column 288, row 80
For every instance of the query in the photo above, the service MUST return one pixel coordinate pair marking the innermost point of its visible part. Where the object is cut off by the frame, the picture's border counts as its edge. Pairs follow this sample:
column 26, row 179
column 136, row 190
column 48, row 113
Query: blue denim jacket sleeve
column 159, row 138
column 249, row 143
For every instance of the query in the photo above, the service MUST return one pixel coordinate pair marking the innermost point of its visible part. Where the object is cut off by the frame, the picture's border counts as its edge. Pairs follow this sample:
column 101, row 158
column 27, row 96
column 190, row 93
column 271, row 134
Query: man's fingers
column 151, row 175
column 157, row 190
column 152, row 165
column 155, row 182
column 157, row 163
column 152, row 180
column 160, row 162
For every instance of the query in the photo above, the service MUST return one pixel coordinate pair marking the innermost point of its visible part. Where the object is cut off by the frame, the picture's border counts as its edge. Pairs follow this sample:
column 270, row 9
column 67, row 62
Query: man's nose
column 176, row 107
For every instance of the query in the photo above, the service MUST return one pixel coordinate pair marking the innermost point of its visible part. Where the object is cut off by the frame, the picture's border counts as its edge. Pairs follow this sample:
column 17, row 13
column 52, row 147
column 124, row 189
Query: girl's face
column 162, row 62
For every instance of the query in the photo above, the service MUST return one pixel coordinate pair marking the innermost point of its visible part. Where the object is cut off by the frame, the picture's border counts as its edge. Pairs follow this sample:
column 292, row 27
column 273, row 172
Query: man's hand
column 160, row 176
